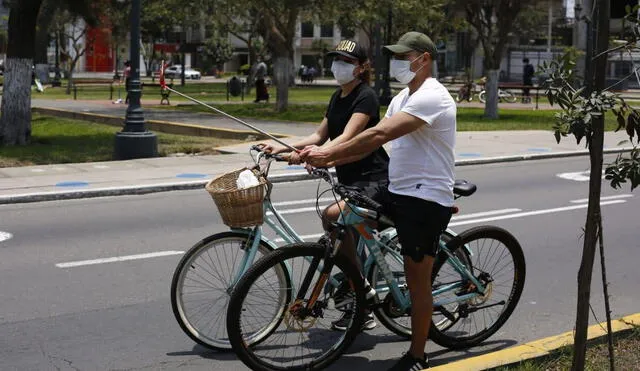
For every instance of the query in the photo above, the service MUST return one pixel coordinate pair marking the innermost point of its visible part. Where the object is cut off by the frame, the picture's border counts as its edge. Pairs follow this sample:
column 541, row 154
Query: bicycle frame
column 355, row 217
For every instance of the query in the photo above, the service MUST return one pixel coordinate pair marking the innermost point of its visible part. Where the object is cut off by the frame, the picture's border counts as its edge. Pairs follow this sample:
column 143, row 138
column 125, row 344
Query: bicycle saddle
column 463, row 188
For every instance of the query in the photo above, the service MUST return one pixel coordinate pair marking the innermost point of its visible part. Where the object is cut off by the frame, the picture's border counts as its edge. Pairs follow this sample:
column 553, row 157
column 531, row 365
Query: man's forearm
column 358, row 146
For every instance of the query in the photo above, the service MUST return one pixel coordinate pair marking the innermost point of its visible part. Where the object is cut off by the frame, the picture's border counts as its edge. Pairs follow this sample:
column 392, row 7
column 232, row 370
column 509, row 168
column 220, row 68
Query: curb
column 276, row 178
column 535, row 349
column 131, row 190
column 158, row 125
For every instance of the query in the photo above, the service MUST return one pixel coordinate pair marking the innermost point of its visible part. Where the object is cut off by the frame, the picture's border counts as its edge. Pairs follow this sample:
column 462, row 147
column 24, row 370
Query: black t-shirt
column 362, row 99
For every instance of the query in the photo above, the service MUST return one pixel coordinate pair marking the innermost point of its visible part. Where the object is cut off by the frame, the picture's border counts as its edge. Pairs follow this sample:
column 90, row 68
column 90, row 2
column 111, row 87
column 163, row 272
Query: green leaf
column 557, row 135
column 631, row 123
column 621, row 122
column 550, row 97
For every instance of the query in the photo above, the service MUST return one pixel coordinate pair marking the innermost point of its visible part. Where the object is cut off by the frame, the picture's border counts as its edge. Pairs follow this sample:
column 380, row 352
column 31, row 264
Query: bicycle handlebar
column 268, row 156
column 354, row 194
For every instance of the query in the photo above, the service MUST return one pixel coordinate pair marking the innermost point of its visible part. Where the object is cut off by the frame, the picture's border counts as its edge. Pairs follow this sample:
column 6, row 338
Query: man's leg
column 419, row 282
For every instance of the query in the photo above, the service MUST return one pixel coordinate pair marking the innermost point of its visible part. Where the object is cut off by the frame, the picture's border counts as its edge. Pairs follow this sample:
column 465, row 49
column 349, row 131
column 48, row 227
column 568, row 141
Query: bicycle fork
column 329, row 261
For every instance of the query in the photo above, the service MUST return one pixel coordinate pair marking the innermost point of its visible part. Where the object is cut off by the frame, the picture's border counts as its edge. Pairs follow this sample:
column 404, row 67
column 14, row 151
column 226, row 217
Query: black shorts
column 419, row 223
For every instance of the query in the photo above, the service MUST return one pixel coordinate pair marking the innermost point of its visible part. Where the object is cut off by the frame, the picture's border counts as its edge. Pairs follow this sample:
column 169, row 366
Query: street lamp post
column 134, row 141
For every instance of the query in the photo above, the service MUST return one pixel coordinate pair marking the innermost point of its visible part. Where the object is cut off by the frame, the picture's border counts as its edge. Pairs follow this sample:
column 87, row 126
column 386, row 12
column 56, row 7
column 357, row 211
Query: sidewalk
column 65, row 181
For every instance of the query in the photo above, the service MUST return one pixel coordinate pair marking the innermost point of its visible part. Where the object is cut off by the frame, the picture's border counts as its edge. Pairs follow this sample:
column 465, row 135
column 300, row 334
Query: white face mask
column 343, row 72
column 401, row 70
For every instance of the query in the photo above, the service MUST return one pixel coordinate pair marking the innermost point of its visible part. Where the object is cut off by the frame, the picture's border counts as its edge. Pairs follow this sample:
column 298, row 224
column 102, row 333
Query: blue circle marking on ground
column 470, row 154
column 72, row 184
column 538, row 149
column 191, row 175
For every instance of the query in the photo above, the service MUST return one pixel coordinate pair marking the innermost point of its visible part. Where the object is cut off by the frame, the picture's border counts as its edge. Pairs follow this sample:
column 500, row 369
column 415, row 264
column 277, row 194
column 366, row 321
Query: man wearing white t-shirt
column 421, row 125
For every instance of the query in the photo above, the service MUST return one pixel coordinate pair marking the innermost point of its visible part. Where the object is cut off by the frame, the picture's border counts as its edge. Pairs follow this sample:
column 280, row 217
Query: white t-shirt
column 422, row 162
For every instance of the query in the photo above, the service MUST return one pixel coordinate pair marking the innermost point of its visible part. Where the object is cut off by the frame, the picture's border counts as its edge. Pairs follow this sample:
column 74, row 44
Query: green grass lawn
column 56, row 140
column 208, row 92
column 469, row 119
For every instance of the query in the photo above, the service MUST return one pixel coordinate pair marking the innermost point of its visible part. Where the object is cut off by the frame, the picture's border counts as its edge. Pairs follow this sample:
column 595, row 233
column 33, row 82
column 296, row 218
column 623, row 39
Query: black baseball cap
column 350, row 49
column 412, row 40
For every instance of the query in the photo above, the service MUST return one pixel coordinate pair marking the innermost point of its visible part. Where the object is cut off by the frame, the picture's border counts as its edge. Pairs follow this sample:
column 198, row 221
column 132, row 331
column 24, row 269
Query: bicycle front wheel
column 202, row 284
column 482, row 97
column 304, row 339
column 497, row 261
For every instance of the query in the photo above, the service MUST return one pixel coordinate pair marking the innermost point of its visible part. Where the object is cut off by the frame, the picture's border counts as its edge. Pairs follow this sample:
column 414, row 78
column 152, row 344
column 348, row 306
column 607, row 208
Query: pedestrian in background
column 527, row 80
column 261, row 86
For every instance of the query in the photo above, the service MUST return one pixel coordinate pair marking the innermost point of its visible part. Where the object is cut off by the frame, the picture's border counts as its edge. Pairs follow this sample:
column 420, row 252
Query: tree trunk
column 15, row 118
column 70, row 79
column 595, row 184
column 43, row 37
column 491, row 88
column 252, row 61
column 15, row 125
column 282, row 75
column 605, row 289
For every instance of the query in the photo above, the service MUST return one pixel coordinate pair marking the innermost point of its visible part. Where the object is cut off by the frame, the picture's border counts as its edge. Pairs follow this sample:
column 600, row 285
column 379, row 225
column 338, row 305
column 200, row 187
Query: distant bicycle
column 503, row 95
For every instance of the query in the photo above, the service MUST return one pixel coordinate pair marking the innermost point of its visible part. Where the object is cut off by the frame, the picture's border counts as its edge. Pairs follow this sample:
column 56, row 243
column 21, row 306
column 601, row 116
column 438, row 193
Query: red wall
column 99, row 58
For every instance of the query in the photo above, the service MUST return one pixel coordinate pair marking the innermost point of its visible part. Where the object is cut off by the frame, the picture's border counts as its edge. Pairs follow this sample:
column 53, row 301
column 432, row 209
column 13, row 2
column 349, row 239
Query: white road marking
column 300, row 210
column 601, row 198
column 5, row 236
column 485, row 213
column 301, row 202
column 118, row 259
column 306, row 237
column 578, row 176
column 531, row 213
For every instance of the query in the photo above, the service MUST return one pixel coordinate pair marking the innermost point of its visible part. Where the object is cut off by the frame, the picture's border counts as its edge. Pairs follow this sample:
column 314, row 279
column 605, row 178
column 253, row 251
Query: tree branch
column 611, row 50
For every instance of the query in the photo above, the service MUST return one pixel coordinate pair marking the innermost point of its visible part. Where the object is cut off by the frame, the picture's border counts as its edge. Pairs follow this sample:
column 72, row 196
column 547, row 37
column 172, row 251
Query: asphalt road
column 117, row 315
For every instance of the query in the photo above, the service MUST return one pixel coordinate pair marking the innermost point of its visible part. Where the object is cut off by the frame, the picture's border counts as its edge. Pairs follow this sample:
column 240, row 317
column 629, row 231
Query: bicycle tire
column 223, row 244
column 255, row 355
column 482, row 97
column 457, row 339
column 402, row 326
column 509, row 97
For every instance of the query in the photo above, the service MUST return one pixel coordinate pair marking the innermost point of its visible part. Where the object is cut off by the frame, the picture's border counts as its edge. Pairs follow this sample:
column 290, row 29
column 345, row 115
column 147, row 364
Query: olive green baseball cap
column 415, row 41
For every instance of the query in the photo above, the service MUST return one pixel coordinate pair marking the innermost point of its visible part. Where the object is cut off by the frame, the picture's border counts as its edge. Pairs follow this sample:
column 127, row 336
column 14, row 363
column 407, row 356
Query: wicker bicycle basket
column 238, row 207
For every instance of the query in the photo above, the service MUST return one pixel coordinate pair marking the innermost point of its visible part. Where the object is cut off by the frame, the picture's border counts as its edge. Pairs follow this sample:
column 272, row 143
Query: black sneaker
column 342, row 323
column 410, row 363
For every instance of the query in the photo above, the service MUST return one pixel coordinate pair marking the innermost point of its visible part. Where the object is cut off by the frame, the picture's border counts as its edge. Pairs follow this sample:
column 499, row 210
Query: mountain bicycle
column 280, row 311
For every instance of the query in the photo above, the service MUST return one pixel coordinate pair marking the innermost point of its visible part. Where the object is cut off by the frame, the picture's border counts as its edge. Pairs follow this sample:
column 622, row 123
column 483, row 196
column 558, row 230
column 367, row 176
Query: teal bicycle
column 281, row 310
column 207, row 273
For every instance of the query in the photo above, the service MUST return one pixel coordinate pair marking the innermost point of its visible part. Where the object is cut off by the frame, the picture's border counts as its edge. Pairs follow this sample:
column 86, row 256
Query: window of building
column 306, row 29
column 326, row 30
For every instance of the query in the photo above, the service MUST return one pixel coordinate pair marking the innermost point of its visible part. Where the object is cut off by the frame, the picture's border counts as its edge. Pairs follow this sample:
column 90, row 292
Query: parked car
column 175, row 71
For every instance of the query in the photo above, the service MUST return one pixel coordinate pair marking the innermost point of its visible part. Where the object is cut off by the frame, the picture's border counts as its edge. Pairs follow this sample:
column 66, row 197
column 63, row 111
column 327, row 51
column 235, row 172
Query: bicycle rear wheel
column 387, row 311
column 498, row 262
column 509, row 97
column 202, row 284
column 303, row 340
